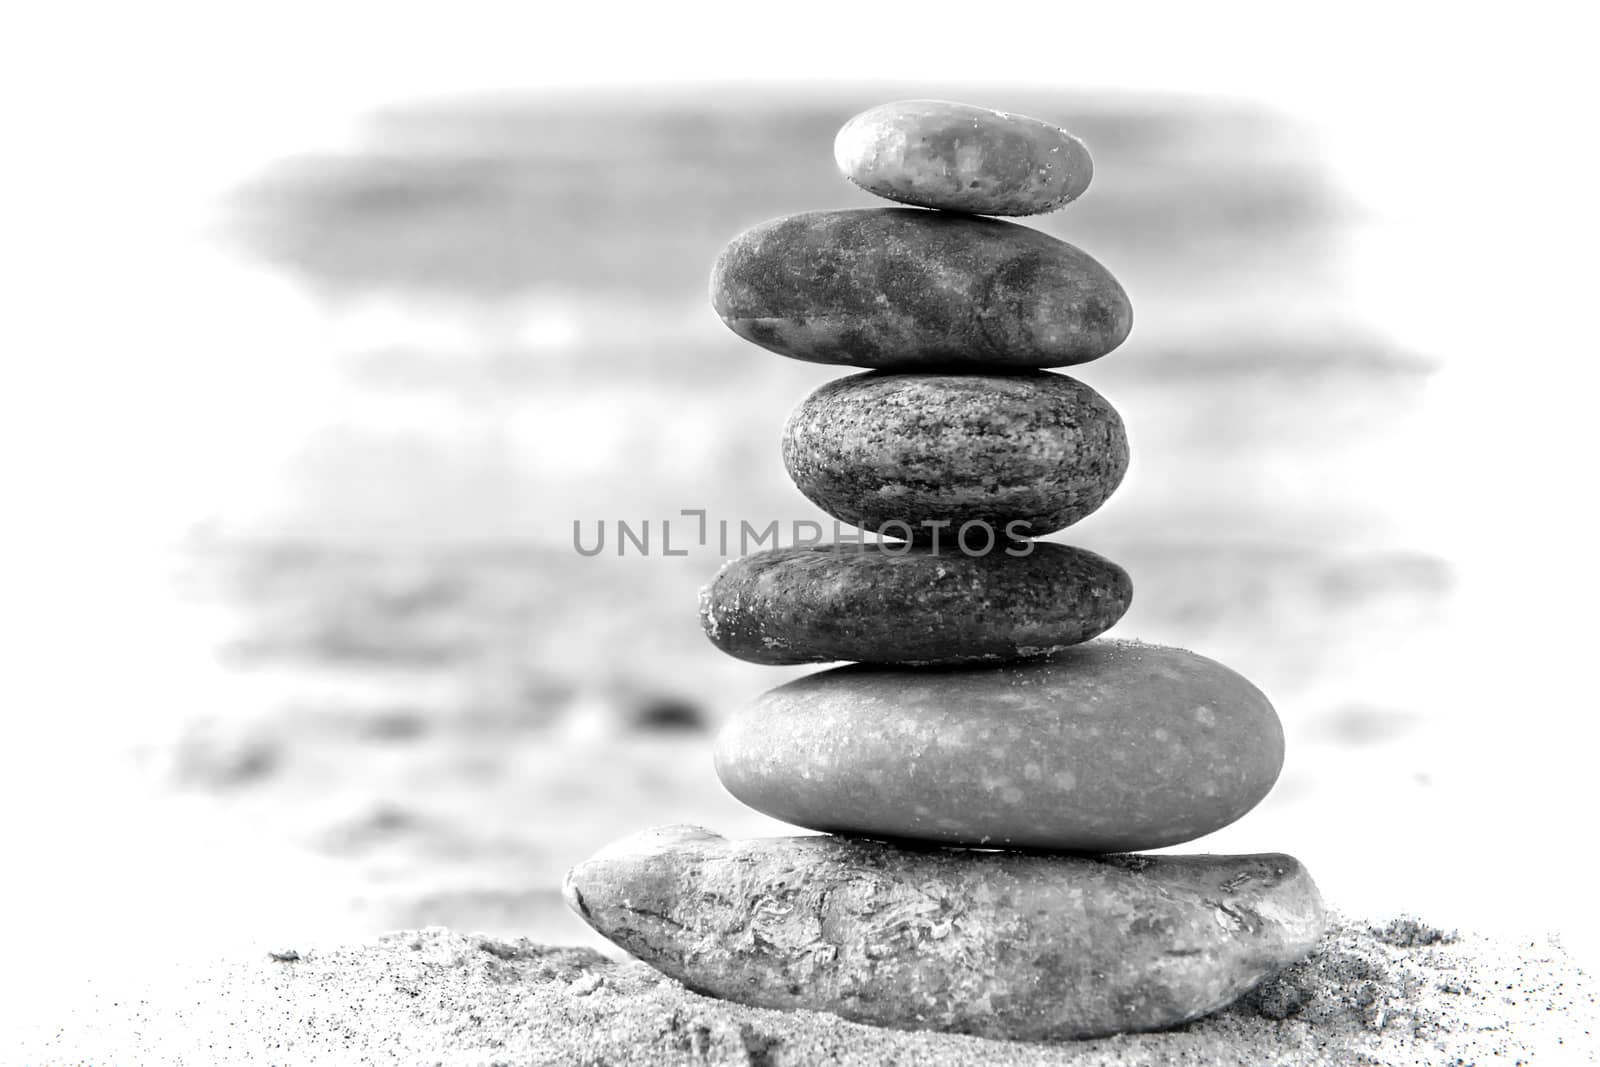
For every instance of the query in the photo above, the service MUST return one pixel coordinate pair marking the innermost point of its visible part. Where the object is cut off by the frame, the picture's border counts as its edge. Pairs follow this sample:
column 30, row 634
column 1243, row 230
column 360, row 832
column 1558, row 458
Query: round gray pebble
column 905, row 289
column 957, row 157
column 913, row 604
column 1108, row 746
column 1024, row 454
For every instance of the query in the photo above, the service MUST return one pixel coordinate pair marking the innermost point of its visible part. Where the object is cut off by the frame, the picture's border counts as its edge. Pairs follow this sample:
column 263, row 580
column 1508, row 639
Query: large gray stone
column 938, row 154
column 1006, row 945
column 1108, row 746
column 1024, row 454
column 905, row 289
column 913, row 604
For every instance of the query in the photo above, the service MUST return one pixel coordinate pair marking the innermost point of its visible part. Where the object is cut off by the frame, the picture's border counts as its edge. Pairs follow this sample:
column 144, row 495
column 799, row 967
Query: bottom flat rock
column 1024, row 946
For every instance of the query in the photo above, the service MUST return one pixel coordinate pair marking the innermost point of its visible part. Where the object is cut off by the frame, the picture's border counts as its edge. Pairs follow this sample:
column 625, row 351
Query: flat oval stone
column 1036, row 450
column 912, row 604
column 956, row 157
column 1005, row 945
column 903, row 289
column 1109, row 746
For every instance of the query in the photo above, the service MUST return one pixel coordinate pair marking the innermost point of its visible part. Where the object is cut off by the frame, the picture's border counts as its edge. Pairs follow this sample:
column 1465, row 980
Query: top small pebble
column 956, row 157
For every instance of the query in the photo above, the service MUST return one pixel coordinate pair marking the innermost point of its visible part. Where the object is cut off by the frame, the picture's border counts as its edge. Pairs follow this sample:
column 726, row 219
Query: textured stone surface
column 1038, row 449
column 998, row 944
column 904, row 289
column 1108, row 746
column 938, row 154
column 912, row 604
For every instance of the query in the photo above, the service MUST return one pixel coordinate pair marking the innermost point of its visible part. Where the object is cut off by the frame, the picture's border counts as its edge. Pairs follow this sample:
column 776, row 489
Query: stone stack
column 983, row 770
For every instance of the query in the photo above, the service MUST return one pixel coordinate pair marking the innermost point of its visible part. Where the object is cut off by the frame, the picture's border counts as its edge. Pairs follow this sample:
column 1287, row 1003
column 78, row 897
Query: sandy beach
column 1398, row 992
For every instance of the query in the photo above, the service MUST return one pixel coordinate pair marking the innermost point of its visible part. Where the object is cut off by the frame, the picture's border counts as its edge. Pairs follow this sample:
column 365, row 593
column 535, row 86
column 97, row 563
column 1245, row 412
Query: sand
column 1397, row 992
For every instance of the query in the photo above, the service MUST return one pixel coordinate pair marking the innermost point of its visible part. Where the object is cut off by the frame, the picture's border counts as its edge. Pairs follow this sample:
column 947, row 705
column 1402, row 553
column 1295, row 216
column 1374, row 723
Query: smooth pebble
column 1108, row 746
column 1025, row 454
column 913, row 604
column 904, row 289
column 957, row 157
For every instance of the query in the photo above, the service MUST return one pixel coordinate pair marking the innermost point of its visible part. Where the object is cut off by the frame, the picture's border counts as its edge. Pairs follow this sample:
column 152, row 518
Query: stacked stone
column 982, row 770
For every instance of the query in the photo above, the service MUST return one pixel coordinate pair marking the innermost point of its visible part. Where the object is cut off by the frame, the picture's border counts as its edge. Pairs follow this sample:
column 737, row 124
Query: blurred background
column 327, row 326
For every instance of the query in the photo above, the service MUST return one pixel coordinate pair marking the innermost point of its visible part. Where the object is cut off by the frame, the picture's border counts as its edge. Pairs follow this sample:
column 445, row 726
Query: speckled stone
column 905, row 289
column 1109, row 746
column 912, row 604
column 1037, row 450
column 938, row 154
column 1003, row 945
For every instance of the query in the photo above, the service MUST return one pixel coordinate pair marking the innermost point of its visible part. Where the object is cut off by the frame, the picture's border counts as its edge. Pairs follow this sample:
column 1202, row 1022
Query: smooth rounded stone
column 1037, row 450
column 1004, row 945
column 957, row 157
column 905, row 289
column 1109, row 746
column 910, row 604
